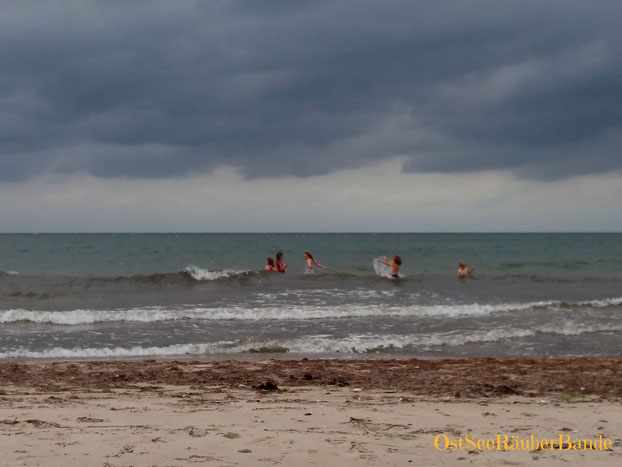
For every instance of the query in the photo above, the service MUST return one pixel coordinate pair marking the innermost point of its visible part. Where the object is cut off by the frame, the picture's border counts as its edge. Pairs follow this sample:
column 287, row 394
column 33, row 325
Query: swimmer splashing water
column 394, row 264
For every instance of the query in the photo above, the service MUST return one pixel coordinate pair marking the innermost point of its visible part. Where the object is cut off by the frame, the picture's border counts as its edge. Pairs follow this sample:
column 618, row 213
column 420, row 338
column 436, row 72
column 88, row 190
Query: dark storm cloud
column 157, row 89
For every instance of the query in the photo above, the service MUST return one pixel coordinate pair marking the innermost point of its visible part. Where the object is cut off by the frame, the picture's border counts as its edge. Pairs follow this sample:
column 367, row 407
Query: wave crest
column 283, row 312
column 318, row 344
column 200, row 274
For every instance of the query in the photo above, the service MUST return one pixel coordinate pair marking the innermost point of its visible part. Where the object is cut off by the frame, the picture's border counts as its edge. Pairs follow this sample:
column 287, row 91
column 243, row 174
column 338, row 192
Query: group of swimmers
column 280, row 266
column 394, row 264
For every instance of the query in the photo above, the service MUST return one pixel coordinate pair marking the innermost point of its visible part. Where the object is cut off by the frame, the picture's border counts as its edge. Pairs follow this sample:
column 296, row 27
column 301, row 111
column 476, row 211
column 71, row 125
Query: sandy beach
column 306, row 412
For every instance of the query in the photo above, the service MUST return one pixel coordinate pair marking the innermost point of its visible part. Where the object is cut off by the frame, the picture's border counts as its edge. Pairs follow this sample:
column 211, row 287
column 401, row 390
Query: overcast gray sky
column 310, row 115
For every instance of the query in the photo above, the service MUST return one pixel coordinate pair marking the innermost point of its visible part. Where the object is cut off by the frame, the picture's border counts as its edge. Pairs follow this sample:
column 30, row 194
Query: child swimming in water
column 270, row 265
column 394, row 263
column 310, row 261
column 463, row 271
column 280, row 265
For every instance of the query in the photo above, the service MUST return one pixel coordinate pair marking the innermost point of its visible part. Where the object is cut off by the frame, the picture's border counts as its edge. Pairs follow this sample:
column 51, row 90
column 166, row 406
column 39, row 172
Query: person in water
column 463, row 271
column 270, row 265
column 394, row 263
column 280, row 265
column 310, row 261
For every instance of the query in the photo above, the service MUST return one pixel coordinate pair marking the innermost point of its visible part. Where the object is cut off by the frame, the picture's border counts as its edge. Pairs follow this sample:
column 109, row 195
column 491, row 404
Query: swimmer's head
column 270, row 262
column 307, row 255
column 462, row 264
column 279, row 255
column 397, row 259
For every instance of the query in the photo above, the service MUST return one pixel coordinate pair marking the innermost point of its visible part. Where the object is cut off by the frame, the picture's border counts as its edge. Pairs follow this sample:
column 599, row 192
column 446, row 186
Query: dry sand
column 130, row 414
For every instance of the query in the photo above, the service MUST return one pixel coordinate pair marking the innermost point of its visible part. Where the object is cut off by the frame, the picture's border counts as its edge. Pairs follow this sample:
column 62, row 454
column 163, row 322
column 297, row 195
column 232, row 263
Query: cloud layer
column 169, row 89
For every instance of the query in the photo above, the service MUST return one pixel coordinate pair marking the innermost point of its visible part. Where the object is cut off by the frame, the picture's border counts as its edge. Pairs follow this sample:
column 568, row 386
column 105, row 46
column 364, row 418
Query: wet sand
column 324, row 412
column 473, row 377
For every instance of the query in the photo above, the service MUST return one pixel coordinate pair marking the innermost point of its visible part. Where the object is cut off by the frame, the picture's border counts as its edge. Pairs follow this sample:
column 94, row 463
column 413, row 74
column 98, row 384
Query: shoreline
column 471, row 377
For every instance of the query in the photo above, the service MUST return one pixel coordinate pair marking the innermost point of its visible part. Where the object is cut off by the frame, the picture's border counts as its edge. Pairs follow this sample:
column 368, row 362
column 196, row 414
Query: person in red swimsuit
column 280, row 265
column 270, row 265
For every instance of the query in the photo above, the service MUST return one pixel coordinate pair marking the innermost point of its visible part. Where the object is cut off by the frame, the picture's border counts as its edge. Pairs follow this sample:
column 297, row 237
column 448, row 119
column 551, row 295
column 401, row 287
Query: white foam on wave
column 602, row 303
column 318, row 344
column 281, row 312
column 154, row 314
column 573, row 329
column 358, row 293
column 113, row 352
column 372, row 343
column 200, row 274
column 77, row 317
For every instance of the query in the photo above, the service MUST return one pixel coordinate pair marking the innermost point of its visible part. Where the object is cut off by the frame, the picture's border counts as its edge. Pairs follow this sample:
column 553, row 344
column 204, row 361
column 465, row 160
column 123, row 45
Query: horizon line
column 140, row 232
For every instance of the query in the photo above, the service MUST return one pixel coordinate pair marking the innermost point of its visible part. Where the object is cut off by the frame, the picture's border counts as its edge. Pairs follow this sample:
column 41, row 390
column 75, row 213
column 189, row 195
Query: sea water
column 155, row 295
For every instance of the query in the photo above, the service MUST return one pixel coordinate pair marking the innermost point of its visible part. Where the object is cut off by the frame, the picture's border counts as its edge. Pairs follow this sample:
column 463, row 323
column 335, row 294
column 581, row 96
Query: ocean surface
column 168, row 295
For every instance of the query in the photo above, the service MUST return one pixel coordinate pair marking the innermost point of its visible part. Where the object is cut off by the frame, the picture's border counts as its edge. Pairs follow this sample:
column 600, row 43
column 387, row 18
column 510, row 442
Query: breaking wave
column 189, row 274
column 200, row 274
column 602, row 303
column 319, row 344
column 282, row 312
